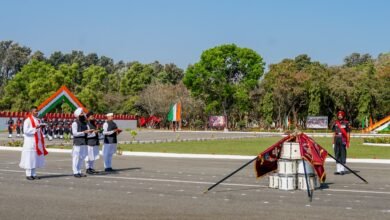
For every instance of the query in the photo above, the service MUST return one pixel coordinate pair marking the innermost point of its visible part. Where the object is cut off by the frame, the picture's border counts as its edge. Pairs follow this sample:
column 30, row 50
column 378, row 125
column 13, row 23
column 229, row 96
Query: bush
column 14, row 143
column 198, row 124
column 241, row 124
column 377, row 140
column 133, row 134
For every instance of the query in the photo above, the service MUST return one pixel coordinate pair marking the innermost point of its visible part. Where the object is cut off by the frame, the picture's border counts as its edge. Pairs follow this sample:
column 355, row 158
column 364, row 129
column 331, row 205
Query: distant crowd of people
column 56, row 128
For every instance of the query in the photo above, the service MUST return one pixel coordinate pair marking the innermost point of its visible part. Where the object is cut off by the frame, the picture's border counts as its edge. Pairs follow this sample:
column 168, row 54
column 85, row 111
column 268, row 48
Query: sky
column 178, row 31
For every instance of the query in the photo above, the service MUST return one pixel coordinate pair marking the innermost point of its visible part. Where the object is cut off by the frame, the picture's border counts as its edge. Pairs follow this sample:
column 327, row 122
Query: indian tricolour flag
column 175, row 112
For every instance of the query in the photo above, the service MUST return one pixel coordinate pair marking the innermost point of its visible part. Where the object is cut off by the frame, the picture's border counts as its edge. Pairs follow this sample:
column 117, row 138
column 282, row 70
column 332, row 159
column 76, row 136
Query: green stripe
column 58, row 102
column 170, row 114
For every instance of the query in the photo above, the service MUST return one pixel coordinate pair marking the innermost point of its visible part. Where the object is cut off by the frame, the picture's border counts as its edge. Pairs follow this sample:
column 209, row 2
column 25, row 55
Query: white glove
column 333, row 146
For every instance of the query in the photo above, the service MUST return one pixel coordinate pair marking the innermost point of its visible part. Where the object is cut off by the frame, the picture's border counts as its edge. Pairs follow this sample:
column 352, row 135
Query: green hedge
column 377, row 140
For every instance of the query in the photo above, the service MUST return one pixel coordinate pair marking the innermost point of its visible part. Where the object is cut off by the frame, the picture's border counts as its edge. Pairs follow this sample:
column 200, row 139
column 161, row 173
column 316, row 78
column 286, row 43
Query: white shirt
column 74, row 131
column 105, row 129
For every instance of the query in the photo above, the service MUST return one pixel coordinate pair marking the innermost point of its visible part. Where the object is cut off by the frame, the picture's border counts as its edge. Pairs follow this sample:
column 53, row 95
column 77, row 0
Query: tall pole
column 231, row 174
column 357, row 175
column 309, row 192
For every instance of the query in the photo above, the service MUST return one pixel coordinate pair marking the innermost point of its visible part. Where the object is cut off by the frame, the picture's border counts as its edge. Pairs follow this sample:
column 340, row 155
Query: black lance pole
column 347, row 168
column 309, row 193
column 330, row 155
column 231, row 174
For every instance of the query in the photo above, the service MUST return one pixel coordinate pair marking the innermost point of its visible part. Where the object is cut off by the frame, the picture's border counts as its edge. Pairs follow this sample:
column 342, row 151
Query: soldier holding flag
column 341, row 137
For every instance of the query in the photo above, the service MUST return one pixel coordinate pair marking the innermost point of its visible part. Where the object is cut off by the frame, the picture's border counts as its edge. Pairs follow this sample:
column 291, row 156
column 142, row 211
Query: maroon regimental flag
column 313, row 153
column 267, row 161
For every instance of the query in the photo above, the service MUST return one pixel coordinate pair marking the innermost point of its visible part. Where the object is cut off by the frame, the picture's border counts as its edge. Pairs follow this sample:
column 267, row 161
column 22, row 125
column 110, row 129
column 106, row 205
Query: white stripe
column 203, row 183
column 63, row 93
column 199, row 156
column 174, row 109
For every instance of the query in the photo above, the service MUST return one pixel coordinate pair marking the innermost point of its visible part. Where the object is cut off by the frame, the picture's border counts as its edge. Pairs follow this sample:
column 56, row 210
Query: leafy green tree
column 267, row 109
column 170, row 74
column 12, row 58
column 94, row 88
column 70, row 76
column 382, row 77
column 107, row 63
column 31, row 86
column 356, row 59
column 56, row 59
column 38, row 55
column 91, row 59
column 223, row 78
column 136, row 78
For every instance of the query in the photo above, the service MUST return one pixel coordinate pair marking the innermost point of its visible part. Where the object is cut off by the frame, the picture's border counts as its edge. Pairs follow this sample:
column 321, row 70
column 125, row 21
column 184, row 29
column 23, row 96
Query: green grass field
column 252, row 146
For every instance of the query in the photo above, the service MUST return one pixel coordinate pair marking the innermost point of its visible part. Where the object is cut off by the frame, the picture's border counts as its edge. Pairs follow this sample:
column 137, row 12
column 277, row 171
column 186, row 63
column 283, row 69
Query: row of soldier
column 57, row 128
column 15, row 126
column 85, row 131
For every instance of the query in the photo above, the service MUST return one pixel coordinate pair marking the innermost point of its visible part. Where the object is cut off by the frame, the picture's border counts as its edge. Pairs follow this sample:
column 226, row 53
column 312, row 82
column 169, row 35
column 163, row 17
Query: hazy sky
column 179, row 30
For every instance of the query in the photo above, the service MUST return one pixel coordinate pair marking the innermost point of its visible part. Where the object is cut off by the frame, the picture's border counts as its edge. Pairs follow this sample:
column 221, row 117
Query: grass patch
column 248, row 146
column 252, row 146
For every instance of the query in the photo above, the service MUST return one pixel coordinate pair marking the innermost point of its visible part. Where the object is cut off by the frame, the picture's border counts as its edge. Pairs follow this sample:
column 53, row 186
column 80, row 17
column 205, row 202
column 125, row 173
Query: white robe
column 30, row 158
column 93, row 151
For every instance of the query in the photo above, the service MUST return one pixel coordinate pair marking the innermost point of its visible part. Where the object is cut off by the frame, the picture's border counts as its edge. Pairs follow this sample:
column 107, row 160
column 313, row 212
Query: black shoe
column 94, row 171
column 336, row 173
column 90, row 171
column 36, row 178
column 77, row 175
column 342, row 172
column 29, row 178
column 82, row 175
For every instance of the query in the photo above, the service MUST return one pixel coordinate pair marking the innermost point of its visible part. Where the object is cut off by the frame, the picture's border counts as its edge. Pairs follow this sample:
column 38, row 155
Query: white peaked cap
column 110, row 114
column 78, row 112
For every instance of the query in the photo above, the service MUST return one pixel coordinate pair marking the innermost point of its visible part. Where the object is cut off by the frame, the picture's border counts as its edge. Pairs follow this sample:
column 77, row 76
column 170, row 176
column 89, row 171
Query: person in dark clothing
column 10, row 123
column 93, row 144
column 19, row 124
column 110, row 132
column 80, row 131
column 341, row 129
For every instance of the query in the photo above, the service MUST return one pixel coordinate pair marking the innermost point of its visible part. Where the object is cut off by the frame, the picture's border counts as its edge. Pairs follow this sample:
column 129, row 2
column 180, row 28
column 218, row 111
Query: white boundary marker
column 200, row 182
column 198, row 156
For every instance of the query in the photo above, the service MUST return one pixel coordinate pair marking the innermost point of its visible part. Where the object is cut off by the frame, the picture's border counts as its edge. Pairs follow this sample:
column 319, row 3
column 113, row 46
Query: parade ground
column 172, row 188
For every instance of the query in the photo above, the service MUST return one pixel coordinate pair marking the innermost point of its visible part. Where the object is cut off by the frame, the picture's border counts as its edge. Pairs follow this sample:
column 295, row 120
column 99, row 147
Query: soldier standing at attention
column 10, row 123
column 341, row 137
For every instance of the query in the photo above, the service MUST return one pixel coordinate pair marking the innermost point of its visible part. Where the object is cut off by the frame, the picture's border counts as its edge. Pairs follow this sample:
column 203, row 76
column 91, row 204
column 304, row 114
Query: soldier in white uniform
column 34, row 151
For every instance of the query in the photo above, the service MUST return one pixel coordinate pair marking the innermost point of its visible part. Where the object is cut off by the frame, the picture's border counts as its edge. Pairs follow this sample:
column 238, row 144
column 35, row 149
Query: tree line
column 227, row 80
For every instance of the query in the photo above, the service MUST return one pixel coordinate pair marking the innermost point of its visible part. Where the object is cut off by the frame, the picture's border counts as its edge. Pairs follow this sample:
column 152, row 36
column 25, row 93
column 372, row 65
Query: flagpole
column 357, row 175
column 231, row 174
column 309, row 193
column 330, row 155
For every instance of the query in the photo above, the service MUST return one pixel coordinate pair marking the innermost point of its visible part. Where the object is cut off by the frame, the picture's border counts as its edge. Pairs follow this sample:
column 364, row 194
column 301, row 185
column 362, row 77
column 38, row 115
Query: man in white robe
column 110, row 132
column 34, row 151
column 93, row 144
column 80, row 131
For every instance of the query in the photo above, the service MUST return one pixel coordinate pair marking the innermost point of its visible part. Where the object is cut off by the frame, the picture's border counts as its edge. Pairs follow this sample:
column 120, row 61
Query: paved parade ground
column 172, row 188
